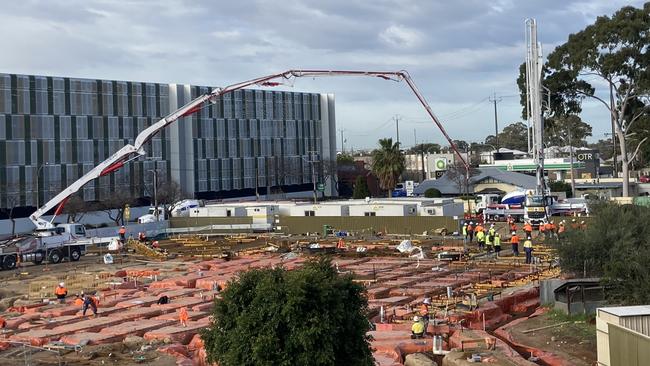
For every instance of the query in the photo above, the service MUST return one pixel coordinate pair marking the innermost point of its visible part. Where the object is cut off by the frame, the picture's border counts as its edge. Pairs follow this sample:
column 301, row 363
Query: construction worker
column 583, row 225
column 417, row 329
column 465, row 233
column 61, row 292
column 514, row 241
column 122, row 233
column 574, row 224
column 183, row 316
column 561, row 229
column 542, row 231
column 89, row 302
column 513, row 226
column 489, row 240
column 528, row 248
column 480, row 238
column 478, row 228
column 340, row 244
column 163, row 300
column 470, row 231
column 424, row 313
column 528, row 229
column 497, row 243
column 142, row 237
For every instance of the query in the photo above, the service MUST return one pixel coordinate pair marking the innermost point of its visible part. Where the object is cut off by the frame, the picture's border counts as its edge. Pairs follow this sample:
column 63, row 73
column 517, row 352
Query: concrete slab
column 177, row 333
column 138, row 327
column 89, row 338
column 192, row 315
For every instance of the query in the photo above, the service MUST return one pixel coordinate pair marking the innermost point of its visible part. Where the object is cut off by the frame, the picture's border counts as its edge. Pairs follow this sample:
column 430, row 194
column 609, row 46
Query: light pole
column 38, row 173
column 155, row 192
column 573, row 179
column 313, row 173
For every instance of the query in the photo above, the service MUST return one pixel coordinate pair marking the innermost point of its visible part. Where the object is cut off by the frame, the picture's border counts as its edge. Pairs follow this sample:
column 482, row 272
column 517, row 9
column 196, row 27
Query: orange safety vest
column 527, row 227
column 514, row 239
column 122, row 231
column 60, row 291
column 78, row 302
column 547, row 226
column 479, row 228
column 424, row 310
column 561, row 229
column 183, row 315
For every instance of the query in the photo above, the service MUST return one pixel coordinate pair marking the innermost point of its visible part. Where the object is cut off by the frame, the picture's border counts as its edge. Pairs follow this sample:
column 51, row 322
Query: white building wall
column 384, row 209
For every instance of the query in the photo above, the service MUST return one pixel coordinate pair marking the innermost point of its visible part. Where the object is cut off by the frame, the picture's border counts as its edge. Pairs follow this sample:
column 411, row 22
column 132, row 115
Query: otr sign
column 586, row 156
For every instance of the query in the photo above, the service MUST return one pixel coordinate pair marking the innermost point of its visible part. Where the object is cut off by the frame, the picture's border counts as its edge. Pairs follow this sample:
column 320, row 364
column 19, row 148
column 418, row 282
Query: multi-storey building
column 55, row 129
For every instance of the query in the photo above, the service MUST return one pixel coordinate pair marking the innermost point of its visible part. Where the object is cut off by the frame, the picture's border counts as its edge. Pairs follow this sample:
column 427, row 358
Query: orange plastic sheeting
column 14, row 323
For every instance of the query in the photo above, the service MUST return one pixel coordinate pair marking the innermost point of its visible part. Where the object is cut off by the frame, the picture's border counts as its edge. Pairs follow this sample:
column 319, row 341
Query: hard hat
column 582, row 222
column 472, row 223
column 573, row 220
column 529, row 238
column 514, row 233
column 61, row 284
column 427, row 301
column 416, row 318
column 465, row 224
column 552, row 222
column 122, row 225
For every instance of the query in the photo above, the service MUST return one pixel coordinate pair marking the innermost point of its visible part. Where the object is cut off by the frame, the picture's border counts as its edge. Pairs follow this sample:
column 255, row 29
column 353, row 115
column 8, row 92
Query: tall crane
column 131, row 152
column 537, row 205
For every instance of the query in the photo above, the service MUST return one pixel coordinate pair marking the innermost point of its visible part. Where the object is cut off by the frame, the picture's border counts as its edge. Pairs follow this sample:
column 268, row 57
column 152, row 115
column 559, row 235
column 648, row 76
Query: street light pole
column 155, row 192
column 38, row 173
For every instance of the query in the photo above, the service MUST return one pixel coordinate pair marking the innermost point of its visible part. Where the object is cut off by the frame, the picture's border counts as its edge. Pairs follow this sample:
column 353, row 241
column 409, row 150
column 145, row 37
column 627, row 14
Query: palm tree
column 387, row 164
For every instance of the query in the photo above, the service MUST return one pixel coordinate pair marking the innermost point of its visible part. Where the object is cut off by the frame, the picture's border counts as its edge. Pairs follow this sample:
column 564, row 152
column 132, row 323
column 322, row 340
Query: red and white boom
column 131, row 152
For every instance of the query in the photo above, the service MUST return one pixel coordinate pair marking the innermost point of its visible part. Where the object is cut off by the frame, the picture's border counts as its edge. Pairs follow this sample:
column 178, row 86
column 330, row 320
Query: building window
column 369, row 214
column 228, row 213
column 310, row 213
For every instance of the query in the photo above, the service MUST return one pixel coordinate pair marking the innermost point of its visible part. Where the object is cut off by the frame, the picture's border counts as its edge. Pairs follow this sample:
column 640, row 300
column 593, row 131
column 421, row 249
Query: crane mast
column 132, row 152
column 536, row 205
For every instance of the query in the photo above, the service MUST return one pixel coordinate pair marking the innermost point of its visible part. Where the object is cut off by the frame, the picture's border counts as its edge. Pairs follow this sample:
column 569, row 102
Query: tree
column 461, row 145
column 560, row 186
column 75, row 208
column 604, row 148
column 458, row 173
column 556, row 131
column 622, row 263
column 344, row 159
column 308, row 316
column 387, row 164
column 168, row 193
column 428, row 148
column 514, row 136
column 613, row 51
column 115, row 204
column 432, row 193
column 12, row 200
column 361, row 189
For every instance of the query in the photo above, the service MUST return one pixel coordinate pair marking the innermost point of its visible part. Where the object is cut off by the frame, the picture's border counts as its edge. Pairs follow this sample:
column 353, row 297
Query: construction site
column 485, row 253
column 484, row 308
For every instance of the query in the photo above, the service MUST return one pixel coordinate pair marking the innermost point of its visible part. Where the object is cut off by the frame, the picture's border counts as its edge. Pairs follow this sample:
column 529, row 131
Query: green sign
column 320, row 187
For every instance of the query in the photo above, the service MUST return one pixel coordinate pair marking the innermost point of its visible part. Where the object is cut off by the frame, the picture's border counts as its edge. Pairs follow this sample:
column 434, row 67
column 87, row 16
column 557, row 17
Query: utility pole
column 312, row 155
column 155, row 192
column 397, row 126
column 496, row 100
column 573, row 179
column 612, row 116
column 342, row 141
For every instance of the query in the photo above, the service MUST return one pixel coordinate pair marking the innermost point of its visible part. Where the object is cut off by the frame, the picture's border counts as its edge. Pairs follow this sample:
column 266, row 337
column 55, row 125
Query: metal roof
column 639, row 310
column 448, row 186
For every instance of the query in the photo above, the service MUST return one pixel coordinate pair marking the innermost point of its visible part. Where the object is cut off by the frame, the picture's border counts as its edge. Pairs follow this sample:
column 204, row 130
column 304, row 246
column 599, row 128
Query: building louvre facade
column 54, row 129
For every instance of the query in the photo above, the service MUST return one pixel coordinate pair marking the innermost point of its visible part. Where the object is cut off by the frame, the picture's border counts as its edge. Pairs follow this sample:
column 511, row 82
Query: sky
column 460, row 53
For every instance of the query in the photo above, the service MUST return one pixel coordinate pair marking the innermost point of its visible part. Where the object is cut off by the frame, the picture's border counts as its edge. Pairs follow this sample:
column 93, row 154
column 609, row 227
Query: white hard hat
column 465, row 224
column 582, row 222
column 61, row 284
column 416, row 318
column 472, row 223
column 514, row 233
column 427, row 300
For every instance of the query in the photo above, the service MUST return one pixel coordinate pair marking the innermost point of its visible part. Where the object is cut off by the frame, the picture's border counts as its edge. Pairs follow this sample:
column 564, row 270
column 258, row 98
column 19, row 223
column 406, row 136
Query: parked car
column 644, row 179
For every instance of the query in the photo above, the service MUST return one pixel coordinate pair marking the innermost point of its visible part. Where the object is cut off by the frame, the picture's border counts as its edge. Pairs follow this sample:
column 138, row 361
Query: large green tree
column 361, row 190
column 612, row 52
column 308, row 316
column 513, row 136
column 616, row 247
column 387, row 164
column 427, row 148
column 558, row 129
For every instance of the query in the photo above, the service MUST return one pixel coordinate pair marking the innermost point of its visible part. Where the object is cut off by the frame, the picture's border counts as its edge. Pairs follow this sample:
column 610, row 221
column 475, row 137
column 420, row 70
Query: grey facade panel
column 54, row 129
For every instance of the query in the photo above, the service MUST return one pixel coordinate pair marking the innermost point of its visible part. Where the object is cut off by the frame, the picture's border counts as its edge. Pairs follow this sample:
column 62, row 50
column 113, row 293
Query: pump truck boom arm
column 131, row 152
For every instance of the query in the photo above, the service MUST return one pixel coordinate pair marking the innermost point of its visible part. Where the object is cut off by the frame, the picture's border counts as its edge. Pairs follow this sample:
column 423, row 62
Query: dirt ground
column 107, row 354
column 575, row 342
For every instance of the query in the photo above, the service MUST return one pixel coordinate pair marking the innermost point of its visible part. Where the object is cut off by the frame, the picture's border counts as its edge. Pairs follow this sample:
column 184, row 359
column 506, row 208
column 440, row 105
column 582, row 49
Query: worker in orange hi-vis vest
column 183, row 316
column 341, row 244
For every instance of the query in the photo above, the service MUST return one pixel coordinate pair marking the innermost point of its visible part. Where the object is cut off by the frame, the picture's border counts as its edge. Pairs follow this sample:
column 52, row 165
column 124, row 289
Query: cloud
column 400, row 36
column 457, row 52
